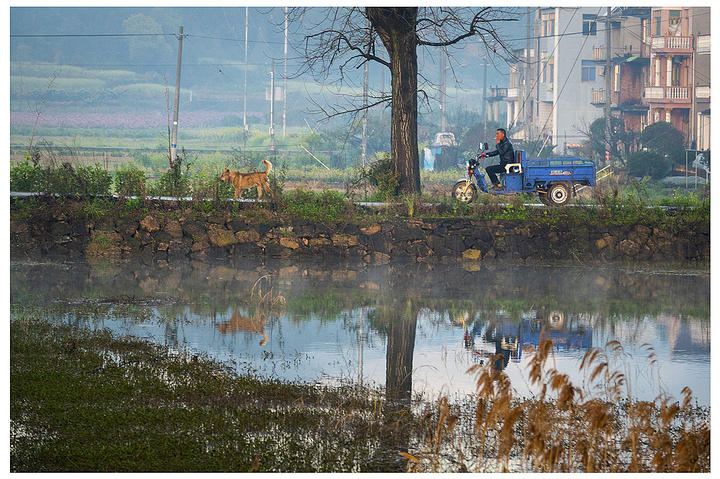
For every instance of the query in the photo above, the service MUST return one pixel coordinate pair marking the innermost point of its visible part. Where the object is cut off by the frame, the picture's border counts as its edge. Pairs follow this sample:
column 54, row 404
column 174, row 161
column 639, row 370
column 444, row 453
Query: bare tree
column 344, row 39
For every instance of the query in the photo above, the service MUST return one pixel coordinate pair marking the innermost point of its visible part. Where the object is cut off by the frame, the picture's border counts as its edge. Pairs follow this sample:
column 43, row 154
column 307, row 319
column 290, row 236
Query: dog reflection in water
column 255, row 325
column 245, row 181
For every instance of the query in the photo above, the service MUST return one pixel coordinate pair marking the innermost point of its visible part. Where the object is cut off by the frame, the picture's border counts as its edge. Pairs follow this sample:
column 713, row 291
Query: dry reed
column 596, row 427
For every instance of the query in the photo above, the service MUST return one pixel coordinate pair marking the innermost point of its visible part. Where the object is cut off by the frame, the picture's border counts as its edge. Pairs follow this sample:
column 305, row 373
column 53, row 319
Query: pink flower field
column 144, row 120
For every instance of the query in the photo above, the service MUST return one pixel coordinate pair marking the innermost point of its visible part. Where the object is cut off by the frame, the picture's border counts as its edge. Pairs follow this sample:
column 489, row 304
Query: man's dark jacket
column 506, row 152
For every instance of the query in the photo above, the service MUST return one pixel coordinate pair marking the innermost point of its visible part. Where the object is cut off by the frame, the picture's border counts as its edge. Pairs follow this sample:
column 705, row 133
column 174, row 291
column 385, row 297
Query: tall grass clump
column 593, row 427
column 328, row 205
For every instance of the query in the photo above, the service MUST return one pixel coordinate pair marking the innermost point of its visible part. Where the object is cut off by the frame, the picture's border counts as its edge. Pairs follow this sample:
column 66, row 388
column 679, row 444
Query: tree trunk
column 396, row 28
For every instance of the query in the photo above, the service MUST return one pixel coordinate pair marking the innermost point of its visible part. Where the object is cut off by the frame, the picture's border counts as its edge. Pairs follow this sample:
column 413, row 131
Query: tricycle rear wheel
column 558, row 194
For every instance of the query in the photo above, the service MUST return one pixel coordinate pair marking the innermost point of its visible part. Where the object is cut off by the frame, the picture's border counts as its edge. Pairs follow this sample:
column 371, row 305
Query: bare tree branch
column 344, row 39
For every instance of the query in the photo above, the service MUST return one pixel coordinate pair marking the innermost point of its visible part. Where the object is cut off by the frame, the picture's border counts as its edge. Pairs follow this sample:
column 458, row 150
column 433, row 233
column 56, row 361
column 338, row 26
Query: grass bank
column 91, row 401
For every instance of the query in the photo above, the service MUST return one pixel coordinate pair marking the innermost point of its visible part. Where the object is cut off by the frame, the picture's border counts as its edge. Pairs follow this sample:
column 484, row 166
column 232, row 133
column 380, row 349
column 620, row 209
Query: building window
column 676, row 74
column 588, row 70
column 658, row 24
column 548, row 24
column 617, row 78
column 548, row 73
column 674, row 23
column 589, row 25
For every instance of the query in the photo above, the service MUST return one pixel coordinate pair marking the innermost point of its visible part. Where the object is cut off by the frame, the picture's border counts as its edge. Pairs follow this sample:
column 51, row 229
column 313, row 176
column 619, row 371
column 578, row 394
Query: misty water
column 408, row 327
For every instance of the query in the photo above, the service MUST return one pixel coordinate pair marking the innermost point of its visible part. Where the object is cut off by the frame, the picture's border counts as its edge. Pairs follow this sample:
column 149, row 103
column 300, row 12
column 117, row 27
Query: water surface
column 411, row 327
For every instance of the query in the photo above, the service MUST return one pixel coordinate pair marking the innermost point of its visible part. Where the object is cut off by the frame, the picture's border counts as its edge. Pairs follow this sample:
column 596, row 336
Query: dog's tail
column 269, row 166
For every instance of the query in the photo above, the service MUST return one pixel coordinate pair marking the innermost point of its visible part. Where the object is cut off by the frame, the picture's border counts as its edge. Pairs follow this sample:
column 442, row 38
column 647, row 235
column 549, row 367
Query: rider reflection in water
column 507, row 155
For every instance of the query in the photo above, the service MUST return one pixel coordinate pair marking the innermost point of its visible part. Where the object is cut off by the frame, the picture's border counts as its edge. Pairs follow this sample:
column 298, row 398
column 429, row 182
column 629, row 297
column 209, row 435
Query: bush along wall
column 173, row 232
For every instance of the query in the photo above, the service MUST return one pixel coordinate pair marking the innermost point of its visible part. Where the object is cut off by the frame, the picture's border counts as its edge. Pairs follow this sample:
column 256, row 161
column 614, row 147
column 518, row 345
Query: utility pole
column 442, row 80
column 484, row 103
column 173, row 142
column 245, row 81
column 272, row 108
column 693, row 96
column 285, row 73
column 538, row 130
column 245, row 125
column 365, row 97
column 528, row 76
column 608, row 81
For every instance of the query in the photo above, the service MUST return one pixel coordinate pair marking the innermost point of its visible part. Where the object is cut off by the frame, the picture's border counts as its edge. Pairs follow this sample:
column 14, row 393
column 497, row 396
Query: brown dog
column 244, row 181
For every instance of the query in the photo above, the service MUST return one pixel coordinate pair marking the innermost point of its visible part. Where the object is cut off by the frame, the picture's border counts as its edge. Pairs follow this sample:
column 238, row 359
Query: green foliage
column 209, row 187
column 382, row 175
column 664, row 139
column 174, row 182
column 648, row 163
column 278, row 178
column 26, row 177
column 26, row 208
column 130, row 182
column 133, row 204
column 97, row 208
column 171, row 183
column 231, row 120
column 66, row 180
column 328, row 205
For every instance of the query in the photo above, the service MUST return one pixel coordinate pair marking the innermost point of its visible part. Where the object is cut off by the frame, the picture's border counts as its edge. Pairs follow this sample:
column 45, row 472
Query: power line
column 65, row 35
column 112, row 35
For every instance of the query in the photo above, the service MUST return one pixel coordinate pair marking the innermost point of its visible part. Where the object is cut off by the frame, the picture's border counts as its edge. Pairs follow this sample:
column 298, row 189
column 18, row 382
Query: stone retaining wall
column 429, row 240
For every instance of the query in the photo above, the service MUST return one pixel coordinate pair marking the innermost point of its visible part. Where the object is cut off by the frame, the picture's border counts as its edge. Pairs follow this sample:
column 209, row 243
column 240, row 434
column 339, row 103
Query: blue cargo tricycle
column 554, row 180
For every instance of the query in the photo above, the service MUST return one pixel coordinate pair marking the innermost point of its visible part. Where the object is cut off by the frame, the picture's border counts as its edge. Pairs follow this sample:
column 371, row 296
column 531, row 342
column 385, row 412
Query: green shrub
column 130, row 182
column 174, row 182
column 328, row 205
column 648, row 163
column 382, row 175
column 26, row 177
column 66, row 180
column 171, row 183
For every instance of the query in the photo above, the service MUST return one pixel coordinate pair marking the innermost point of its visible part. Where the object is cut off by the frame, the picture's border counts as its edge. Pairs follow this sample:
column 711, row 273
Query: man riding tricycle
column 554, row 180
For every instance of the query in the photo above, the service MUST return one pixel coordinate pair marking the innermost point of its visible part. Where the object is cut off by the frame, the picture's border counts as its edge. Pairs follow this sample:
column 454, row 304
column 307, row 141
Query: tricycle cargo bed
column 574, row 171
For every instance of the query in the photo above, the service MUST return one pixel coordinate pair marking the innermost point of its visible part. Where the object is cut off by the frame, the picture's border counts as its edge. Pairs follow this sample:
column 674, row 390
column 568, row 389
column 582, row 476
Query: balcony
column 497, row 93
column 672, row 45
column 675, row 95
column 511, row 94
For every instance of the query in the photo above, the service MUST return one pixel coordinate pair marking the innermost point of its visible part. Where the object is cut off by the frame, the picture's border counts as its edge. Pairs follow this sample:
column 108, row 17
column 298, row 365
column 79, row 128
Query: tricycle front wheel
column 465, row 191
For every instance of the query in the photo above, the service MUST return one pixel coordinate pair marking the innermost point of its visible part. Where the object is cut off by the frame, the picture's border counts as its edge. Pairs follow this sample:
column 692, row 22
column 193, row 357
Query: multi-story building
column 678, row 88
column 657, row 68
column 551, row 84
column 671, row 69
column 627, row 65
